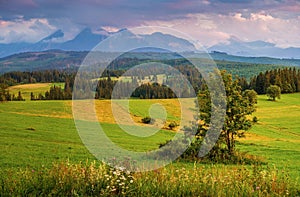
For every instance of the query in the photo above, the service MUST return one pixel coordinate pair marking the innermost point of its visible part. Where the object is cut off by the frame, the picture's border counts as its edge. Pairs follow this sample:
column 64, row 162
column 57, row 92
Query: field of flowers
column 98, row 179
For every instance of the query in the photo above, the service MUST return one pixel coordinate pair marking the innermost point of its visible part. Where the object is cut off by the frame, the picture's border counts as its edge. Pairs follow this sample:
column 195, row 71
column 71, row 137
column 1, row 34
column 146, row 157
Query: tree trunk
column 228, row 141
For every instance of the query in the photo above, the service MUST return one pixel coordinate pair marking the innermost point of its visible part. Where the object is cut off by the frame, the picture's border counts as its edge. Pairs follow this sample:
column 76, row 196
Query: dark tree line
column 288, row 79
column 55, row 93
column 48, row 76
column 6, row 96
column 153, row 90
column 104, row 88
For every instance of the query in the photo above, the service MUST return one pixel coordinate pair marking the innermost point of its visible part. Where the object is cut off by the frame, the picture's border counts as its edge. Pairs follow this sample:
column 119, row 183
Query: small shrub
column 30, row 129
column 255, row 119
column 147, row 120
column 172, row 125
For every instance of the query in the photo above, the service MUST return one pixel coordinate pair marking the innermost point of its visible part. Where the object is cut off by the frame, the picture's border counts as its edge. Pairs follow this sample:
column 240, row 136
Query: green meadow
column 41, row 131
column 276, row 136
column 35, row 135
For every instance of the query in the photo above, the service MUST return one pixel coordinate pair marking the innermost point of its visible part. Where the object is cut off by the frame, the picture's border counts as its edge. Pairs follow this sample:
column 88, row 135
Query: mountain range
column 255, row 49
column 86, row 40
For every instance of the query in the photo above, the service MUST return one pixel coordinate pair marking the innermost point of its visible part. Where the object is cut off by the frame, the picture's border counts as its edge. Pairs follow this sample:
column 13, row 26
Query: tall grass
column 92, row 179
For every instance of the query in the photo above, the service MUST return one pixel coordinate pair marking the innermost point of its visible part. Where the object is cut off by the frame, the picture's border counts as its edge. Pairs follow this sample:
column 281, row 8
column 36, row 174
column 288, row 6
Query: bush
column 147, row 120
column 172, row 125
column 273, row 92
column 255, row 119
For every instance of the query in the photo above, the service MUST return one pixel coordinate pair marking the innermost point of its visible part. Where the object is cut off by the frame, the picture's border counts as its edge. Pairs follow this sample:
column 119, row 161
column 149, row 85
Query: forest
column 144, row 85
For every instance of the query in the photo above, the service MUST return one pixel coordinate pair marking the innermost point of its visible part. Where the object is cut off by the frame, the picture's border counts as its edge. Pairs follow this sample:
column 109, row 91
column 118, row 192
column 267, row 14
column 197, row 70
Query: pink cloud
column 210, row 29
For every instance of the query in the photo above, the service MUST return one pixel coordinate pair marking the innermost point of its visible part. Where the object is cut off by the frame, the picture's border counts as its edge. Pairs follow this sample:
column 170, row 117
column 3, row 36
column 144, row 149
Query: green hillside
column 42, row 153
column 276, row 136
column 56, row 59
column 40, row 132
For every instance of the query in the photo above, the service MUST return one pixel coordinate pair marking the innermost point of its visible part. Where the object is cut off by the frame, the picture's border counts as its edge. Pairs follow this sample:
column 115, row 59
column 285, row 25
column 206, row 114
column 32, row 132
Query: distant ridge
column 59, row 59
column 86, row 40
column 254, row 60
column 256, row 49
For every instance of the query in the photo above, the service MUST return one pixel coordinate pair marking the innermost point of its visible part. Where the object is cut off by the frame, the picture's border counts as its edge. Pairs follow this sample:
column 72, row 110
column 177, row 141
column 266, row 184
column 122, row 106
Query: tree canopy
column 273, row 92
column 239, row 105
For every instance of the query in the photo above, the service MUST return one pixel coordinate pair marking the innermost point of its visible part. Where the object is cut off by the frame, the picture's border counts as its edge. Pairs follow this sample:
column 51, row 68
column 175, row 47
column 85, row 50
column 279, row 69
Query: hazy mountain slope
column 86, row 40
column 256, row 49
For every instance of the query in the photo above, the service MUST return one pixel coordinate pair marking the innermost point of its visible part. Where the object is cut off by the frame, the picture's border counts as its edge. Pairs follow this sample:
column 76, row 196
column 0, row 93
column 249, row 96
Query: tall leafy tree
column 239, row 106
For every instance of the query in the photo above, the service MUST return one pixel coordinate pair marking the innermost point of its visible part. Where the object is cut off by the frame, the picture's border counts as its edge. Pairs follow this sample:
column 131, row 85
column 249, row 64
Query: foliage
column 65, row 179
column 33, row 61
column 93, row 179
column 288, row 79
column 145, row 90
column 55, row 93
column 273, row 92
column 251, row 95
column 238, row 106
column 46, row 76
column 255, row 119
column 147, row 120
column 172, row 125
column 6, row 96
column 150, row 90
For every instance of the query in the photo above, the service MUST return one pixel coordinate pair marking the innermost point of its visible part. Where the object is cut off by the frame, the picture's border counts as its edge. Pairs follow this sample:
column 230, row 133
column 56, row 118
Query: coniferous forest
column 288, row 79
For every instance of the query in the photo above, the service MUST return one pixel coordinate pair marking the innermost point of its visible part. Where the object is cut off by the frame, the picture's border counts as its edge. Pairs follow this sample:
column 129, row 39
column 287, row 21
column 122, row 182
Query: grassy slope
column 30, row 136
column 36, row 88
column 276, row 136
column 35, row 133
column 54, row 137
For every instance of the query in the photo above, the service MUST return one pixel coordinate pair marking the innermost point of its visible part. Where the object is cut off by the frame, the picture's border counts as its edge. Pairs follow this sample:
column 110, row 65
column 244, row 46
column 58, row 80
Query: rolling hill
column 58, row 59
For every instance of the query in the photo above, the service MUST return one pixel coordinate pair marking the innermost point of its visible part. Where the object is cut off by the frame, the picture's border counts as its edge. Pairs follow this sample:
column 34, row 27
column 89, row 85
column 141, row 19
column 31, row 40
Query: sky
column 207, row 21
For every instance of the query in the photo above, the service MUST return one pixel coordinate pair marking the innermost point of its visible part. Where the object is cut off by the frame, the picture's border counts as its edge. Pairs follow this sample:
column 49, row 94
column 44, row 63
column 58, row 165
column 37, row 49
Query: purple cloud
column 71, row 16
column 130, row 12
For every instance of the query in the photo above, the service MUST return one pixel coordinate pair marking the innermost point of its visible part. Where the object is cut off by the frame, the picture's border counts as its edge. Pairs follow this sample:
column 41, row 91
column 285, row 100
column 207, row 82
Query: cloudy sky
column 208, row 21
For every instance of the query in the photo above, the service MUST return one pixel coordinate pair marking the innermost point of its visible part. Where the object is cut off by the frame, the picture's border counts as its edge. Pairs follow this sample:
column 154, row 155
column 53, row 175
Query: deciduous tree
column 239, row 106
column 273, row 92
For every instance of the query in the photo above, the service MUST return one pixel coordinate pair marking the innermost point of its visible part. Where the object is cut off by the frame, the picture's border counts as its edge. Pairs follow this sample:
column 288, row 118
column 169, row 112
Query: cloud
column 24, row 30
column 215, row 28
column 132, row 12
column 209, row 21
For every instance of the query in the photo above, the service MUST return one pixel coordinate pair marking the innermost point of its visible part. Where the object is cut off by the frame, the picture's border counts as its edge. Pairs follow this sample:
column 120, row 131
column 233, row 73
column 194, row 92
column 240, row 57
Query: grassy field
column 36, row 88
column 39, row 133
column 276, row 136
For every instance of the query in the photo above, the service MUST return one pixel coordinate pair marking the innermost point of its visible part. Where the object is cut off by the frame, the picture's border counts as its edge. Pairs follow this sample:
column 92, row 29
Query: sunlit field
column 35, row 88
column 35, row 135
